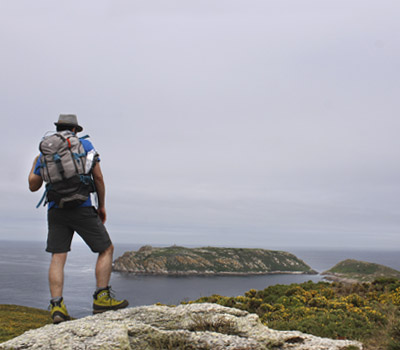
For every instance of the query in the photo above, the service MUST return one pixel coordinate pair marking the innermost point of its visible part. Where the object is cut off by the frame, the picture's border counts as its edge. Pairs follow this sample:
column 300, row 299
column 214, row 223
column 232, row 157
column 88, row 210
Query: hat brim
column 78, row 127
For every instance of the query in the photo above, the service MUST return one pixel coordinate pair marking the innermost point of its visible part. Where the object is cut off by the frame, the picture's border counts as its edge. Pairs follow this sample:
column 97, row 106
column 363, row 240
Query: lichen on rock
column 190, row 327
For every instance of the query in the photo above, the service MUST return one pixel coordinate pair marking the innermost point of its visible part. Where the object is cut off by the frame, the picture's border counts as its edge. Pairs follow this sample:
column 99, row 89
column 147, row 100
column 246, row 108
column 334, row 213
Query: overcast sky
column 262, row 123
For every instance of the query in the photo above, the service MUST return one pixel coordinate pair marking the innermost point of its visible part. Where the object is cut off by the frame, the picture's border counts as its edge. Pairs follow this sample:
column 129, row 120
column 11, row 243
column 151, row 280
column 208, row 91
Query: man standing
column 87, row 222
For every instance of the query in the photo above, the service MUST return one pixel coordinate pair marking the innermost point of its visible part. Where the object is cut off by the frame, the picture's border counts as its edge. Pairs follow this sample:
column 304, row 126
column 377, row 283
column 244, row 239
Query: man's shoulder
column 87, row 145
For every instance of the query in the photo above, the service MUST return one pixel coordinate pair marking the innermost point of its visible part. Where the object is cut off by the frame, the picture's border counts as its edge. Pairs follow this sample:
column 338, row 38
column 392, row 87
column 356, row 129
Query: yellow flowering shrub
column 324, row 309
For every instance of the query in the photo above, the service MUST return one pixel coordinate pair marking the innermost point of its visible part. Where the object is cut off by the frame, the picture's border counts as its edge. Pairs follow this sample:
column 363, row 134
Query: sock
column 56, row 300
column 98, row 289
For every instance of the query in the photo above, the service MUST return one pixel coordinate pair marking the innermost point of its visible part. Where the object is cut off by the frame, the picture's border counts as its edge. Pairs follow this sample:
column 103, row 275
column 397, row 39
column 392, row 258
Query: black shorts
column 85, row 221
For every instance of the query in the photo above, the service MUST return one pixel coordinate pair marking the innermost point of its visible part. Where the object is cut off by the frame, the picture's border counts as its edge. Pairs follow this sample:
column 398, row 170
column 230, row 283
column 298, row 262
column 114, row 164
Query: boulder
column 194, row 326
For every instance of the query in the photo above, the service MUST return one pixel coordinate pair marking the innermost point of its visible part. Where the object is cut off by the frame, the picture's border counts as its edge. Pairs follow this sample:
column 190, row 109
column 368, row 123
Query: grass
column 223, row 326
column 15, row 320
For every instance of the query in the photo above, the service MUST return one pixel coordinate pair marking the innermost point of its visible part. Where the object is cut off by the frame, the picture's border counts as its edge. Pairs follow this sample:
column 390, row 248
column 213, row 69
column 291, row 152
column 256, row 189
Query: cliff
column 190, row 327
column 209, row 261
column 359, row 271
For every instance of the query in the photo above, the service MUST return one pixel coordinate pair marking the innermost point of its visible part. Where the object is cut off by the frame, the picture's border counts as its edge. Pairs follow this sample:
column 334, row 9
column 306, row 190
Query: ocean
column 24, row 267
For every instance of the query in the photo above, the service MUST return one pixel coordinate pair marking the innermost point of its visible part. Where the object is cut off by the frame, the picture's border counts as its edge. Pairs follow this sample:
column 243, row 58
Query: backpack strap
column 87, row 180
column 79, row 155
column 57, row 160
column 43, row 197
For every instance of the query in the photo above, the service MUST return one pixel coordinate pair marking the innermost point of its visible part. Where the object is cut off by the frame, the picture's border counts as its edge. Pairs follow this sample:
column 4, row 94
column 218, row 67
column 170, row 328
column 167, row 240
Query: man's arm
column 101, row 191
column 35, row 181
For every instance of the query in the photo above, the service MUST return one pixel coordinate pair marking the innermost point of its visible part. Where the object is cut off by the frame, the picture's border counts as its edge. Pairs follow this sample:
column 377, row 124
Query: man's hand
column 102, row 214
column 35, row 181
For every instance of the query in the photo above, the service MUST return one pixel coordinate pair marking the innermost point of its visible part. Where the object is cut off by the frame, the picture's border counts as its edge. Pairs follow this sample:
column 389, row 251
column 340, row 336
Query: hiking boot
column 58, row 311
column 103, row 300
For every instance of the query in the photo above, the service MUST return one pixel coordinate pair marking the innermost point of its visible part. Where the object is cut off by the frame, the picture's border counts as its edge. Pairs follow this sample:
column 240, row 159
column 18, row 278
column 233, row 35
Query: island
column 177, row 260
column 353, row 271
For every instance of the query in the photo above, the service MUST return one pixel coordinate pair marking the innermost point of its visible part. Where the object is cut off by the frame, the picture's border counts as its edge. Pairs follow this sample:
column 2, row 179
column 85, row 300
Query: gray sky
column 225, row 122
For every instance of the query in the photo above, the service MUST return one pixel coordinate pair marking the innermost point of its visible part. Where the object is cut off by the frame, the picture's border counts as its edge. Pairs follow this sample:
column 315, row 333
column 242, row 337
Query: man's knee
column 59, row 258
column 108, row 251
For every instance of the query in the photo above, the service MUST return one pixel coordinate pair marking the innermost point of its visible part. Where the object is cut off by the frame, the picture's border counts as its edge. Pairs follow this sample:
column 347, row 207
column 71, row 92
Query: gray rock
column 189, row 327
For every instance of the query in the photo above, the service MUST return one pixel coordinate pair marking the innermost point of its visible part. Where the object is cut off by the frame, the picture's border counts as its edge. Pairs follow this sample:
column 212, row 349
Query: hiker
column 70, row 210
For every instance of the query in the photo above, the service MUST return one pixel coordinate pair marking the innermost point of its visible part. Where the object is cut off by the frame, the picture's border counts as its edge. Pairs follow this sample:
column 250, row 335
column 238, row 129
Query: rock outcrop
column 353, row 271
column 189, row 327
column 209, row 261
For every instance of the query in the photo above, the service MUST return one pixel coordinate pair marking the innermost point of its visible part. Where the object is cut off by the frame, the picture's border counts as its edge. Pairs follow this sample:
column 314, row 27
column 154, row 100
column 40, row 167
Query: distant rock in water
column 195, row 327
column 359, row 271
column 209, row 261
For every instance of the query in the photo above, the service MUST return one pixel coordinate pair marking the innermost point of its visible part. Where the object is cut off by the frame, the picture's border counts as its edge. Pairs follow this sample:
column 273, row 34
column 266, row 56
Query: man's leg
column 91, row 228
column 103, row 267
column 59, row 312
column 103, row 299
column 56, row 274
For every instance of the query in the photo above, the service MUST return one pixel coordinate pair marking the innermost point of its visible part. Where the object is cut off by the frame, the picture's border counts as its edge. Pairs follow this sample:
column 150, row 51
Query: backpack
column 66, row 169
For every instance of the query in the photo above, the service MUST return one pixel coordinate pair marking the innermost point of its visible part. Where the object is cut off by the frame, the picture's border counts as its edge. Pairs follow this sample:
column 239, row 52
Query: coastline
column 336, row 278
column 212, row 273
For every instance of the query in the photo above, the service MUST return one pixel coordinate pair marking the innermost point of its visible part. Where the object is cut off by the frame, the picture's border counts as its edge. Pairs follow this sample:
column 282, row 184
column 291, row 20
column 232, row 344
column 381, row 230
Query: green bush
column 339, row 311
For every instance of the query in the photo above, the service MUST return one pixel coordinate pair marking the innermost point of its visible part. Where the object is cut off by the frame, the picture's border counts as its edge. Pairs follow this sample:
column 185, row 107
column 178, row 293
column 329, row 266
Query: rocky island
column 353, row 271
column 209, row 261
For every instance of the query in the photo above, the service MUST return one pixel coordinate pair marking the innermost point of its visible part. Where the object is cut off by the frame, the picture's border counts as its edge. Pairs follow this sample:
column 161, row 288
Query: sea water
column 24, row 269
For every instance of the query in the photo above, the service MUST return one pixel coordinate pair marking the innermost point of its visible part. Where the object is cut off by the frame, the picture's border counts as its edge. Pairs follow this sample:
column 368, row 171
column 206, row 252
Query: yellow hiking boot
column 58, row 311
column 103, row 300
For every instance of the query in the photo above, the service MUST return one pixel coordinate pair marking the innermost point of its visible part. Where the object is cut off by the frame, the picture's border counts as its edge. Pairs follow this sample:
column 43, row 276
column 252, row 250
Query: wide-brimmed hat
column 68, row 120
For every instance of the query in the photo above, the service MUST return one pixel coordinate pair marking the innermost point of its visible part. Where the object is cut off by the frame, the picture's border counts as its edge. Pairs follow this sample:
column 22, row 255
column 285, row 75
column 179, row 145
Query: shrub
column 336, row 310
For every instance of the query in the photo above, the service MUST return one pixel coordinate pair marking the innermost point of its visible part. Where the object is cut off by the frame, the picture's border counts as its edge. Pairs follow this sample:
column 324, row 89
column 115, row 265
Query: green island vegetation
column 368, row 312
column 15, row 320
column 209, row 260
column 361, row 271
